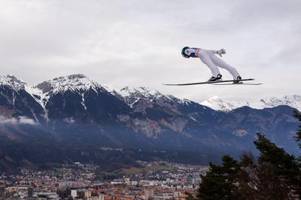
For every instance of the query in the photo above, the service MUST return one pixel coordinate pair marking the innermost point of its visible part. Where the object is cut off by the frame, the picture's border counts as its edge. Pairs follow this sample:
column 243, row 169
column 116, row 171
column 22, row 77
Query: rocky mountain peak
column 74, row 82
column 289, row 100
column 143, row 94
column 224, row 104
column 12, row 81
column 140, row 92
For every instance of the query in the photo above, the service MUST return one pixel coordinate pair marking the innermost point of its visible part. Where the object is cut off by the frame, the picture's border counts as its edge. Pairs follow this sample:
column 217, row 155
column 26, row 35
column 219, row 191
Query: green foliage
column 281, row 163
column 278, row 175
column 219, row 182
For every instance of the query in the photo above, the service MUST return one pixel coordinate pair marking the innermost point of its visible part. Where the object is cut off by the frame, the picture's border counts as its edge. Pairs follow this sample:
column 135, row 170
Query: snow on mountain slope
column 75, row 82
column 17, row 102
column 218, row 103
column 140, row 92
column 133, row 95
column 12, row 82
column 17, row 85
column 289, row 100
column 80, row 83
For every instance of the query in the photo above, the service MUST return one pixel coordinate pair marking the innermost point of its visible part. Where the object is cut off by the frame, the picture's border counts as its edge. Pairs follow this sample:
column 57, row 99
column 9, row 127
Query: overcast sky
column 137, row 43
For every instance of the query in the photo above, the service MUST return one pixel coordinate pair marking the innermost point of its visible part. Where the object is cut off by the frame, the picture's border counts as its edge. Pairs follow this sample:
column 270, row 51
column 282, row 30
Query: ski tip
column 169, row 84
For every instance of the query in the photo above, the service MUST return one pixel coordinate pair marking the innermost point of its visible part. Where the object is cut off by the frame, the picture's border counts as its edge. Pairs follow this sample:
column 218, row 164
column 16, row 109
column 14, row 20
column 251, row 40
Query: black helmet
column 184, row 54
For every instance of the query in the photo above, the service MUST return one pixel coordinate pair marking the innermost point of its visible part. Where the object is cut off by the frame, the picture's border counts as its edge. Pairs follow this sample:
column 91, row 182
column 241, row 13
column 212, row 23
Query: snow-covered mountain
column 217, row 103
column 75, row 82
column 221, row 104
column 68, row 116
column 133, row 95
column 12, row 82
column 79, row 83
column 16, row 103
column 289, row 100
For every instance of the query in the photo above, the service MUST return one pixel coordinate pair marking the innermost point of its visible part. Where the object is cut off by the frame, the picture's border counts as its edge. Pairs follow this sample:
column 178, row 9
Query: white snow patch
column 40, row 98
column 226, row 105
column 12, row 82
column 75, row 82
column 141, row 91
column 83, row 101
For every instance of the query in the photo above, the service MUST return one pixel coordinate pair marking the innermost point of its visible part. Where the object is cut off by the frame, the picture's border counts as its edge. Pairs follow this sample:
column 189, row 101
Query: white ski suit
column 212, row 61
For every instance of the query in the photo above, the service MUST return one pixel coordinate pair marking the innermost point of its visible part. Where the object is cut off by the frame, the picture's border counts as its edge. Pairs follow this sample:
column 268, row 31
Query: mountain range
column 217, row 103
column 73, row 118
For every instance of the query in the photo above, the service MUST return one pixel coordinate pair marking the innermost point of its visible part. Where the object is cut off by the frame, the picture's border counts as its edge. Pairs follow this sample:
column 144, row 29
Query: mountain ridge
column 80, row 118
column 80, row 82
column 221, row 104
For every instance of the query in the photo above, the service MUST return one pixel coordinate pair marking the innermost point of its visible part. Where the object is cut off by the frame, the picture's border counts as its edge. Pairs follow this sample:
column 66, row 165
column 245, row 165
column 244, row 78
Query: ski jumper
column 209, row 58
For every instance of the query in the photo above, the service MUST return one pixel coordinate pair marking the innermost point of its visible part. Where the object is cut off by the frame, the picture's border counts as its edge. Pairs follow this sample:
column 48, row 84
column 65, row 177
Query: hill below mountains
column 72, row 118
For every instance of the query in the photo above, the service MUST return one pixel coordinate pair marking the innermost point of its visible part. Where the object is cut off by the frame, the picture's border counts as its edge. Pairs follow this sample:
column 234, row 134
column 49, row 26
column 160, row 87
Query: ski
column 208, row 82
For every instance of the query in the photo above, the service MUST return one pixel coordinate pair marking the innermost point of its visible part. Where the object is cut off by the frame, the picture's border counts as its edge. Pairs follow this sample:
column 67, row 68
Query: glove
column 221, row 52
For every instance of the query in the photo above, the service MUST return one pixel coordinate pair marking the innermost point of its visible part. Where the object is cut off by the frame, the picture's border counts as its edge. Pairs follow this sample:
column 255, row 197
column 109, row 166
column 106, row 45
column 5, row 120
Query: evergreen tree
column 219, row 182
column 274, row 175
column 284, row 164
column 247, row 183
column 278, row 173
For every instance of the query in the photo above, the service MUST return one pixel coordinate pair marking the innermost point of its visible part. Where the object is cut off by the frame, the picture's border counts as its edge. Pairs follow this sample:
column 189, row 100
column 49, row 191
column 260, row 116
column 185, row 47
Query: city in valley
column 147, row 180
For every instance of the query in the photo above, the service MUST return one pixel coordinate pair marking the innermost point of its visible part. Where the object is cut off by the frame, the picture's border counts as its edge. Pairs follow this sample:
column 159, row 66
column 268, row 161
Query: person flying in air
column 209, row 58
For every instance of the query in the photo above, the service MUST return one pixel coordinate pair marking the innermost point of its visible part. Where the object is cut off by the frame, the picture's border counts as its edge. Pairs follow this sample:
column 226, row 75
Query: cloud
column 16, row 121
column 135, row 43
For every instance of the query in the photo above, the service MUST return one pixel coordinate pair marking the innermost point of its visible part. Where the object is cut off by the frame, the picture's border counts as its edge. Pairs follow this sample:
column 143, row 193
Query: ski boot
column 237, row 80
column 213, row 78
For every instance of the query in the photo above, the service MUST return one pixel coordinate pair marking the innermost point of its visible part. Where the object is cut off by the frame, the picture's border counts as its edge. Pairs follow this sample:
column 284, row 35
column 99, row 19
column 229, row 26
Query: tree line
column 272, row 175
